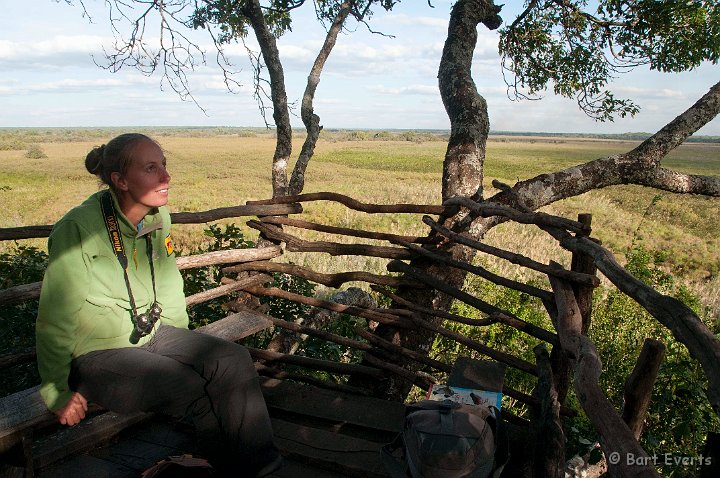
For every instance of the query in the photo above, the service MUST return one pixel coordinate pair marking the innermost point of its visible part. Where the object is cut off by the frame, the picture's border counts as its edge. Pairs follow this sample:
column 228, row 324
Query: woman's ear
column 118, row 181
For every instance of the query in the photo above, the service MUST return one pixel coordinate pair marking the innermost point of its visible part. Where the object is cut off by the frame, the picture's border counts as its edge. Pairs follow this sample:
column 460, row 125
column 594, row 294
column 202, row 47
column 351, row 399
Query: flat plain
column 214, row 168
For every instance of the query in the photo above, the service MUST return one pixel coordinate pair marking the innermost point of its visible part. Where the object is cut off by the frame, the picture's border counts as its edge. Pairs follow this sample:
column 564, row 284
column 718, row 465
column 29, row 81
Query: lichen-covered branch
column 640, row 166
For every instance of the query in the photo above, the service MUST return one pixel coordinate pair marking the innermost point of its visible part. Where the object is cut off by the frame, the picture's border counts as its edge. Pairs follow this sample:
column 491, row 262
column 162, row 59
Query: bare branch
column 519, row 259
column 676, row 182
column 382, row 236
column 357, row 205
column 639, row 166
column 85, row 13
column 479, row 271
column 672, row 135
column 369, row 314
column 330, row 280
column 295, row 244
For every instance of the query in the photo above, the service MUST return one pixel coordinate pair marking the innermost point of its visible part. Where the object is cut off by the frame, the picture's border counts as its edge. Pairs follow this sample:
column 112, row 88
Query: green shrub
column 200, row 279
column 11, row 144
column 204, row 278
column 35, row 152
column 680, row 415
column 418, row 137
column 281, row 308
column 23, row 265
column 356, row 136
column 383, row 136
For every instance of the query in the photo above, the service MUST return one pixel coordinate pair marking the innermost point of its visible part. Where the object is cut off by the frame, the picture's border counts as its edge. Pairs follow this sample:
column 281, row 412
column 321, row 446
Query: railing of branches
column 567, row 301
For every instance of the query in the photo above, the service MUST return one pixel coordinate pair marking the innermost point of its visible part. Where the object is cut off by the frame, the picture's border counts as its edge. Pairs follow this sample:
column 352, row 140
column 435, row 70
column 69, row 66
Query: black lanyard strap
column 113, row 230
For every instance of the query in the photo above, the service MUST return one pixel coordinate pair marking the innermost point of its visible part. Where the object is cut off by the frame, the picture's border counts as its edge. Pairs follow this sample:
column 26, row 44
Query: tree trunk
column 309, row 118
column 462, row 174
column 281, row 113
column 283, row 341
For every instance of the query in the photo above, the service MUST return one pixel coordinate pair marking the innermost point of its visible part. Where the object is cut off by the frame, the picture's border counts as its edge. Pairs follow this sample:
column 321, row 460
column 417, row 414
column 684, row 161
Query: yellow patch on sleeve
column 169, row 245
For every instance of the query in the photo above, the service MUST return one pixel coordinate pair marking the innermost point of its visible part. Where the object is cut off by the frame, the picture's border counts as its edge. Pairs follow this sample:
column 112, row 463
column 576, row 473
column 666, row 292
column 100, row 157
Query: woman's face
column 146, row 181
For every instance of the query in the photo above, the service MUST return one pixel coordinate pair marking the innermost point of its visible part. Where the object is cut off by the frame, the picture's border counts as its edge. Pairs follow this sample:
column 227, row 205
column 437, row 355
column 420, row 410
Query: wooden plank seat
column 335, row 434
column 321, row 433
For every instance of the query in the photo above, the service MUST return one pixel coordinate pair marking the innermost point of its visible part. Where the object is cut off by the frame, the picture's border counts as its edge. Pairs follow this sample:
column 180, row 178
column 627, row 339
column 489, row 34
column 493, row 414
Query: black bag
column 182, row 466
column 446, row 439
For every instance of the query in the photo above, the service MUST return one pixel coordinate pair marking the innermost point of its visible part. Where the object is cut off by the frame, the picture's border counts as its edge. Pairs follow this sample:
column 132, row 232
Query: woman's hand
column 73, row 411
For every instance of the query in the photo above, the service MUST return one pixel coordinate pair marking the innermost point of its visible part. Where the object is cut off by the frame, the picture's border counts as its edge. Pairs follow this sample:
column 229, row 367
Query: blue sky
column 49, row 78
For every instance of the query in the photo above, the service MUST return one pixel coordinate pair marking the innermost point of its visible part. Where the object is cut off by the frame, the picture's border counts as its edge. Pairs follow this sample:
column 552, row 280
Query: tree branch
column 639, row 166
column 676, row 182
column 672, row 135
column 309, row 118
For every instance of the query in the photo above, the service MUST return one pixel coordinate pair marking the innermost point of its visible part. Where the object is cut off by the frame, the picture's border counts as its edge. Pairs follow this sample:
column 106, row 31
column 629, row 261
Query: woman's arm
column 170, row 291
column 65, row 288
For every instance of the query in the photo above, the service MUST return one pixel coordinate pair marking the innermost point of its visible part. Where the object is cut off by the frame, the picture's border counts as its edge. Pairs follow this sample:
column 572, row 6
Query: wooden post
column 585, row 264
column 582, row 263
column 639, row 385
column 617, row 440
column 547, row 437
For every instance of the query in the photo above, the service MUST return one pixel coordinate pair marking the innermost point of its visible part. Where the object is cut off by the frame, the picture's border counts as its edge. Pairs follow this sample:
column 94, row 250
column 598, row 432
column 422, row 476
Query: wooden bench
column 321, row 433
column 23, row 415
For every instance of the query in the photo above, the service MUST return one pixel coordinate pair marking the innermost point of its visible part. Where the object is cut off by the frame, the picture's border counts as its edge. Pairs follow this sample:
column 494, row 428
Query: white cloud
column 431, row 90
column 58, row 45
column 403, row 19
column 49, row 78
column 68, row 84
column 297, row 52
column 637, row 92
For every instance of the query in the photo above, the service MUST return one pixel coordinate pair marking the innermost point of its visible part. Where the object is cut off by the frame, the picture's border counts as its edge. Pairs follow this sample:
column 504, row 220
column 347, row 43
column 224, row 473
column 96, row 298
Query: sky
column 49, row 77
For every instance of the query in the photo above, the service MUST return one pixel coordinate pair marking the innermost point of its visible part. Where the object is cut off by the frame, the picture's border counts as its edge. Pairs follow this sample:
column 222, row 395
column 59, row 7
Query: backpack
column 182, row 466
column 446, row 439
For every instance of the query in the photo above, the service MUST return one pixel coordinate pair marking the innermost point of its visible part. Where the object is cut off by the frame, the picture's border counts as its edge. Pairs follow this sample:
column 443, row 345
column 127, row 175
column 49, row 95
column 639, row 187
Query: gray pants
column 185, row 373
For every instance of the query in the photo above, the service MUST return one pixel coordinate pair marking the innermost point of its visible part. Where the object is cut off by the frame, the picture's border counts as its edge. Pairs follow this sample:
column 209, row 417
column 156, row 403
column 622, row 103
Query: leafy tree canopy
column 565, row 44
column 230, row 16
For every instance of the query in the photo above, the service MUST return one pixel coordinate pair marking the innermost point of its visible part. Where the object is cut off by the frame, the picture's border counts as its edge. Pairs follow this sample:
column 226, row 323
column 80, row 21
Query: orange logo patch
column 169, row 245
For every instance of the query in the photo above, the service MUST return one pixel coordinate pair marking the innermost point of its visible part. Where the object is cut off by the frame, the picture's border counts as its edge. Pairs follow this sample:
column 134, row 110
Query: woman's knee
column 232, row 362
column 135, row 380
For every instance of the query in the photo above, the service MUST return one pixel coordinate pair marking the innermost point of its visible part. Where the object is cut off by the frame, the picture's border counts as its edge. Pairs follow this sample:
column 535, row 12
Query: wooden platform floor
column 322, row 434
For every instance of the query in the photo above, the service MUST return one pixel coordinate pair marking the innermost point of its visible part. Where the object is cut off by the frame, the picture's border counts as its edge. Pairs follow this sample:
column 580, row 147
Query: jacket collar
column 151, row 222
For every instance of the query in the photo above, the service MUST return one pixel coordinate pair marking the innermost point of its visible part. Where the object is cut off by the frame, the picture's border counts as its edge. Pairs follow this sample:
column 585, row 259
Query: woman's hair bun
column 93, row 160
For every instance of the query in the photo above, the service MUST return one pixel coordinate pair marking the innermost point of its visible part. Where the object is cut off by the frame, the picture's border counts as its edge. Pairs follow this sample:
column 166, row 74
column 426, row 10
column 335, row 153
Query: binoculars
column 144, row 323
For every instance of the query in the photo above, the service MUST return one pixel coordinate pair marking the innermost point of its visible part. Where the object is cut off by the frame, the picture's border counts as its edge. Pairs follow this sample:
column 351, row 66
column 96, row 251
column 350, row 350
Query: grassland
column 215, row 168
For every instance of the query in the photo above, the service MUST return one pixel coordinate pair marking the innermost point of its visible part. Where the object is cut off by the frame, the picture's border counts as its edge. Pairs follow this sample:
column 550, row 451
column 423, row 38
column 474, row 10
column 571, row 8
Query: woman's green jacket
column 84, row 302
